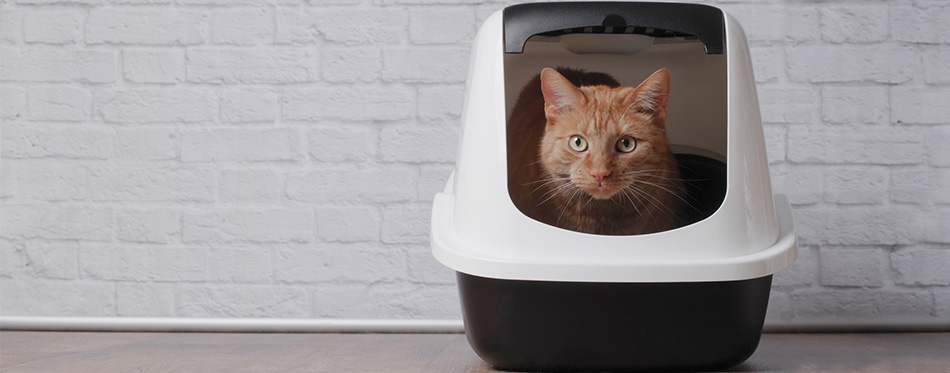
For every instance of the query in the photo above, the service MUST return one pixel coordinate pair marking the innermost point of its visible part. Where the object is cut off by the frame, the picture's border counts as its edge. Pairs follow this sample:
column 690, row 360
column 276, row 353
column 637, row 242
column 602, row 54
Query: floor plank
column 205, row 352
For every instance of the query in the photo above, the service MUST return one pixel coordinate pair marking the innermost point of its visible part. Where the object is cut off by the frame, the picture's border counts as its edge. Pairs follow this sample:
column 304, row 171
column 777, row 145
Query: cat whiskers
column 554, row 192
column 637, row 192
column 545, row 182
column 566, row 205
column 668, row 191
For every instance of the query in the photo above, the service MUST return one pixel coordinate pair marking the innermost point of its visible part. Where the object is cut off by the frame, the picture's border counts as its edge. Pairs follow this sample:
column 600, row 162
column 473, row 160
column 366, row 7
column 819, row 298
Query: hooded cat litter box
column 537, row 297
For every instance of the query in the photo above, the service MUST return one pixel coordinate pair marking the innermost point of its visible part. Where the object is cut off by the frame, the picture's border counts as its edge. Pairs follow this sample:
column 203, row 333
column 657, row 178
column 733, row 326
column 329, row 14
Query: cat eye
column 626, row 144
column 578, row 143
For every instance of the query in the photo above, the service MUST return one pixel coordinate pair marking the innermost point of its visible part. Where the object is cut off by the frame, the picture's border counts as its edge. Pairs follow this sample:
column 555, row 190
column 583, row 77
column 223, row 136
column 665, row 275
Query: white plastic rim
column 455, row 254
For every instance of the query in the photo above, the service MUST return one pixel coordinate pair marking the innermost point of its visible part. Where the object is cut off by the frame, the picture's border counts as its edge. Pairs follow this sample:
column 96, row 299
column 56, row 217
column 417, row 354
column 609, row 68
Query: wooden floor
column 216, row 352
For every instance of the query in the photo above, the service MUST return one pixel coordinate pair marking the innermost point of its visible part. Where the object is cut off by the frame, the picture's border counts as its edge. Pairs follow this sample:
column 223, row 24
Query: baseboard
column 266, row 325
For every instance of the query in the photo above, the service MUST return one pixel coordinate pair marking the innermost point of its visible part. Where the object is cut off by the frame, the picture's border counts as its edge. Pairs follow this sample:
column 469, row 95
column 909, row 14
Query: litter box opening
column 696, row 119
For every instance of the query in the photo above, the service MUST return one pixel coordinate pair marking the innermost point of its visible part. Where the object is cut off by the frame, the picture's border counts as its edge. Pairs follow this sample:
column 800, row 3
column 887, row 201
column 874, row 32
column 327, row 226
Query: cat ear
column 650, row 97
column 560, row 95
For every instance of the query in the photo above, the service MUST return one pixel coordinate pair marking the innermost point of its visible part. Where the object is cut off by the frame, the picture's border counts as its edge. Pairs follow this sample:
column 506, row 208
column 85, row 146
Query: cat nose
column 600, row 175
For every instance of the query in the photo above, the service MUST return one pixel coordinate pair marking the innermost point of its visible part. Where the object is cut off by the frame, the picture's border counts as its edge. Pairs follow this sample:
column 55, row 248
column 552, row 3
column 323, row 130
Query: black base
column 574, row 326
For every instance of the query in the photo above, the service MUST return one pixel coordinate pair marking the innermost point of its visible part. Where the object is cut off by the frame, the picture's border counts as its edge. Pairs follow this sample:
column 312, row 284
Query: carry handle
column 523, row 21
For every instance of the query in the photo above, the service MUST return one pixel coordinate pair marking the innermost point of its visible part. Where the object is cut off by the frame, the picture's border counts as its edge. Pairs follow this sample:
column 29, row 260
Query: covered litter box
column 538, row 297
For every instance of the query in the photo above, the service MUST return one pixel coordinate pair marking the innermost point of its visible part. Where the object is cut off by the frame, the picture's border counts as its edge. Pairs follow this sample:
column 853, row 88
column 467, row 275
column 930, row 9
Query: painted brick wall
column 277, row 158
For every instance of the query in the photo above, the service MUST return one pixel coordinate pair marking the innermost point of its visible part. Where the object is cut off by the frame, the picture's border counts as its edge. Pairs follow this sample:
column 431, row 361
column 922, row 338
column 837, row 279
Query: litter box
column 536, row 297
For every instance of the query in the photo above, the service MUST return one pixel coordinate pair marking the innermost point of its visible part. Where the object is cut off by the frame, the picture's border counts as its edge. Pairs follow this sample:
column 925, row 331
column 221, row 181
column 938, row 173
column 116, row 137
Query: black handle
column 523, row 21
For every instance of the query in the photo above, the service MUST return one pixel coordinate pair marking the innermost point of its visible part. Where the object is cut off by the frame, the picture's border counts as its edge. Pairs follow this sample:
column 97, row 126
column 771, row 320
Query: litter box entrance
column 554, row 175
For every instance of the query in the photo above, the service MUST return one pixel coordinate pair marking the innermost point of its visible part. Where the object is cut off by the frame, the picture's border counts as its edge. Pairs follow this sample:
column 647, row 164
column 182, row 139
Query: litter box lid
column 476, row 228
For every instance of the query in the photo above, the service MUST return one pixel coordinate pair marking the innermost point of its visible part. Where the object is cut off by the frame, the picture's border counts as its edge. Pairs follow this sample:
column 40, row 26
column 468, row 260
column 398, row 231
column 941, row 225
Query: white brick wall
column 278, row 158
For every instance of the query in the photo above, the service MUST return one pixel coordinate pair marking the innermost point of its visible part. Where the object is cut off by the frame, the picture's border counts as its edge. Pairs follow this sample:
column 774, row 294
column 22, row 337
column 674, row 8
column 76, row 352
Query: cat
column 590, row 155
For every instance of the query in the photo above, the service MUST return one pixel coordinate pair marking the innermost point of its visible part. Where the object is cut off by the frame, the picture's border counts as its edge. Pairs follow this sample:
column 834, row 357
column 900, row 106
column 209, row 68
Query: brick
column 918, row 105
column 848, row 105
column 148, row 27
column 341, row 25
column 261, row 225
column 334, row 2
column 778, row 307
column 158, row 105
column 424, row 269
column 51, row 183
column 249, row 105
column 53, row 27
column 803, row 185
column 12, row 102
column 271, row 65
column 850, row 145
column 337, row 143
column 352, row 64
column 377, row 184
column 859, row 225
column 441, row 25
column 21, row 141
column 226, row 300
column 432, row 179
column 59, row 103
column 152, row 184
column 53, row 260
column 153, row 66
column 355, row 103
column 855, row 185
column 159, row 226
column 334, row 262
column 146, row 144
column 860, row 303
column 941, row 303
column 415, row 300
column 242, row 26
column 918, row 186
column 8, row 183
column 56, row 222
column 348, row 223
column 937, row 139
column 935, row 226
column 917, row 25
column 775, row 141
column 250, row 265
column 854, row 24
column 345, row 300
column 441, row 104
column 244, row 185
column 772, row 23
column 801, row 273
column 443, row 65
column 854, row 267
column 406, row 223
column 56, row 298
column 145, row 300
column 49, row 2
column 247, row 145
column 768, row 63
column 12, row 258
column 922, row 265
column 784, row 105
column 936, row 68
column 132, row 263
column 57, row 65
column 851, row 63
column 415, row 144
column 11, row 23
column 239, row 2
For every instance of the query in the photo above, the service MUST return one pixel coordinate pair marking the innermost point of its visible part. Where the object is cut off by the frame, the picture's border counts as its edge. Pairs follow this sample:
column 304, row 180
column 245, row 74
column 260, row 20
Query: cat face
column 604, row 139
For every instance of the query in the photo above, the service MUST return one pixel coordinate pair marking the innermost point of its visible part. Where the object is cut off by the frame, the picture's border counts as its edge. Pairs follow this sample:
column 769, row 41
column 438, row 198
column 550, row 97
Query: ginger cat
column 589, row 155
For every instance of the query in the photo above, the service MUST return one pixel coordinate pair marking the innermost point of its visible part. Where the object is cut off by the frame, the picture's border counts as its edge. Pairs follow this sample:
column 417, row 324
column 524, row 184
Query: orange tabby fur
column 602, row 189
